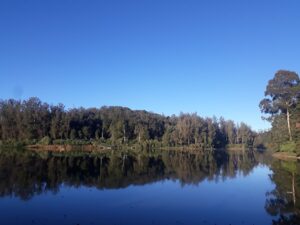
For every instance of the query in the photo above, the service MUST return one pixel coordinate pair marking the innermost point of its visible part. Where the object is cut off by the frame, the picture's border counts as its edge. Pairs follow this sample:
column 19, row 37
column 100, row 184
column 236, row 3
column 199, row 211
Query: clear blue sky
column 166, row 56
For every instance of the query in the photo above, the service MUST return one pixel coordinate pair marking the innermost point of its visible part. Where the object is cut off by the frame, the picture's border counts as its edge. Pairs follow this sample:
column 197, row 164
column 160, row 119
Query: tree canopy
column 282, row 103
column 32, row 120
column 282, row 92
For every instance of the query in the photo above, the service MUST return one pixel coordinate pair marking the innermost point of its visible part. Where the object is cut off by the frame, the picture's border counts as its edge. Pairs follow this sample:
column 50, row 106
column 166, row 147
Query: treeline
column 33, row 121
column 282, row 104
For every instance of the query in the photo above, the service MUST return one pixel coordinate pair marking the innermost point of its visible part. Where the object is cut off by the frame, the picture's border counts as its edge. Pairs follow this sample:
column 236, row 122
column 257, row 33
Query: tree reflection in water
column 284, row 200
column 25, row 174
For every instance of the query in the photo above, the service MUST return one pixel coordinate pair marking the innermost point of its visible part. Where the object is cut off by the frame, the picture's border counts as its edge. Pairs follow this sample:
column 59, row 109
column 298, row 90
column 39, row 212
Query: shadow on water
column 284, row 200
column 25, row 174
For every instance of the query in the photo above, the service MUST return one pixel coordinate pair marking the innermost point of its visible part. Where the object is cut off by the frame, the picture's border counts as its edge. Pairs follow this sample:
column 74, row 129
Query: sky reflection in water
column 145, row 189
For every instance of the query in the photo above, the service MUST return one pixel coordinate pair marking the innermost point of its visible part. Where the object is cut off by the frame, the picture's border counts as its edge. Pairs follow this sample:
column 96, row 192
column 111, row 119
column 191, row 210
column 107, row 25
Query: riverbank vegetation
column 32, row 122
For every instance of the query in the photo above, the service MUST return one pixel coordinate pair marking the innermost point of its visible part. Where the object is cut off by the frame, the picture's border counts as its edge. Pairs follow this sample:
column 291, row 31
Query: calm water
column 147, row 188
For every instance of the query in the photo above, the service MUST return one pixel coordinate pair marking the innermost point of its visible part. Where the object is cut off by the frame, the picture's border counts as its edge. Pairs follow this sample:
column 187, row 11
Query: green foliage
column 289, row 146
column 291, row 167
column 283, row 105
column 281, row 92
column 32, row 120
column 45, row 141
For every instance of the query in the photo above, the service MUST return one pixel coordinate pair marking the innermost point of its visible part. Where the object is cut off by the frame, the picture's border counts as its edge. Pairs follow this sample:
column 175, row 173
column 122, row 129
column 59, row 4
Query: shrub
column 58, row 142
column 45, row 141
column 288, row 146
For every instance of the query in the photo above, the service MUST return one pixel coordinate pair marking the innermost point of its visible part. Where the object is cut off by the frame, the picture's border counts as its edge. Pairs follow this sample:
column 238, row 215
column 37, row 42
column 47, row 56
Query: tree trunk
column 288, row 123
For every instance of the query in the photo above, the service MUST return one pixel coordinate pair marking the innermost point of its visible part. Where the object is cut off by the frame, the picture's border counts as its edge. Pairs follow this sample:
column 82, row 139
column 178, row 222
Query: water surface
column 159, row 187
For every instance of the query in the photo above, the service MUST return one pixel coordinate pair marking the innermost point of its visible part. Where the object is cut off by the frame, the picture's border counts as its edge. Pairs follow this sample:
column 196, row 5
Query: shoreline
column 68, row 148
column 285, row 156
column 100, row 148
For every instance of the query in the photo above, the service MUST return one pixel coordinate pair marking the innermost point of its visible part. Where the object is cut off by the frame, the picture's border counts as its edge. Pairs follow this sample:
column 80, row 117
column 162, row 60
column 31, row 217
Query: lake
column 147, row 187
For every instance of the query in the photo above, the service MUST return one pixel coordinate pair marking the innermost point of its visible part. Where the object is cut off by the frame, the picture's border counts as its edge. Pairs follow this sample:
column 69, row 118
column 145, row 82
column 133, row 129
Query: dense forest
column 282, row 105
column 33, row 121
